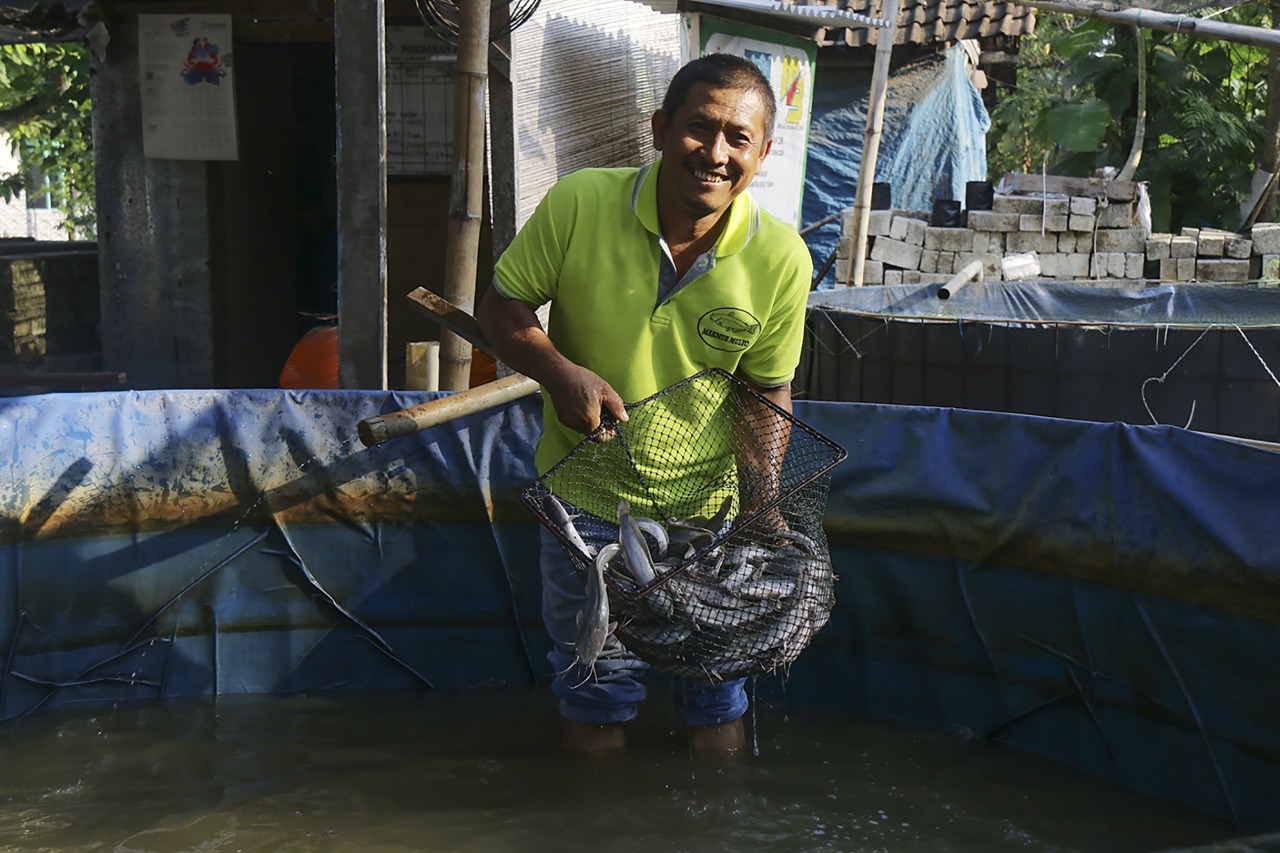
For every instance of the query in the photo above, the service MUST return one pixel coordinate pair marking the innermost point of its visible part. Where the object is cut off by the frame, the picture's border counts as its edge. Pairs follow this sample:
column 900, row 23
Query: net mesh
column 703, row 512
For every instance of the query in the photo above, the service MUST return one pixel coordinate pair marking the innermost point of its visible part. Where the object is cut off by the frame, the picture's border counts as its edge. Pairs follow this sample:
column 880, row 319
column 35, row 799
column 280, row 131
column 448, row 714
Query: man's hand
column 581, row 397
column 578, row 395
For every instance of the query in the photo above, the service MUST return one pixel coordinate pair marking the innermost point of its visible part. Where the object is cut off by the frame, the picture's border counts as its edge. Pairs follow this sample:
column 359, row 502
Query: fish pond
column 481, row 771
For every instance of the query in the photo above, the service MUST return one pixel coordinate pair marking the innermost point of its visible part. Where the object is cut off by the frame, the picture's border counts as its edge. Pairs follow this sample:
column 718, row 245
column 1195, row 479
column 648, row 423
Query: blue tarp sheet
column 1104, row 594
column 933, row 141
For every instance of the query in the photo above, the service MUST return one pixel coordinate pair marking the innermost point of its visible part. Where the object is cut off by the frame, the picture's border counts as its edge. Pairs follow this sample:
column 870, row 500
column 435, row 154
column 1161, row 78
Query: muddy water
column 481, row 772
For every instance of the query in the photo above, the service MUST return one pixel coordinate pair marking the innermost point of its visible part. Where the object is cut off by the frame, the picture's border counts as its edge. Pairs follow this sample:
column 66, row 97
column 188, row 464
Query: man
column 642, row 268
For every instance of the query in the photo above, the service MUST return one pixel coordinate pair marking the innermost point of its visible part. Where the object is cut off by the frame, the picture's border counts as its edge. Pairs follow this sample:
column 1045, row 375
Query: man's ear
column 658, row 122
column 764, row 152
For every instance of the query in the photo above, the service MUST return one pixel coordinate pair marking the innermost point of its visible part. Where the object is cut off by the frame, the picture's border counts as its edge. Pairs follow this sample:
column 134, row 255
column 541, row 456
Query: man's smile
column 709, row 177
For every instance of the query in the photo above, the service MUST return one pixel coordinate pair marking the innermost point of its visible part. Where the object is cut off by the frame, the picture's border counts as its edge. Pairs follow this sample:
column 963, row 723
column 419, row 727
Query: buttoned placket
column 667, row 284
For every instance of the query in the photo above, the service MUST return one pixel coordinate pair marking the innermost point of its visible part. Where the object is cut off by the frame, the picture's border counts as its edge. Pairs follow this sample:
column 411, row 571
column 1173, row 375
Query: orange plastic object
column 484, row 368
column 314, row 360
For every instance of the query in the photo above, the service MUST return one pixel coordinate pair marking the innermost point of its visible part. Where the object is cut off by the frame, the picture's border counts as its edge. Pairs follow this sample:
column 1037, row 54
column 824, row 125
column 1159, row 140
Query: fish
column 800, row 540
column 739, row 577
column 564, row 522
column 741, row 605
column 657, row 533
column 659, row 634
column 767, row 589
column 635, row 553
column 656, row 603
column 594, row 626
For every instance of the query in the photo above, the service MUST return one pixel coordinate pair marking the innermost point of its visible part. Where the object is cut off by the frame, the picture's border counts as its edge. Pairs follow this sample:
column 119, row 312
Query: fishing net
column 704, row 513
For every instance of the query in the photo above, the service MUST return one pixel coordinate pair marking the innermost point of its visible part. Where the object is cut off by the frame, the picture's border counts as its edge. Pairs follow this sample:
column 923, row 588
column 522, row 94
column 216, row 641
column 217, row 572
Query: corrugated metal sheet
column 587, row 75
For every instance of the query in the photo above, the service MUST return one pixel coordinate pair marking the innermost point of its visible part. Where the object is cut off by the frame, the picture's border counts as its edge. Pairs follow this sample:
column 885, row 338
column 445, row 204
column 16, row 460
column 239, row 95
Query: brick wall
column 48, row 302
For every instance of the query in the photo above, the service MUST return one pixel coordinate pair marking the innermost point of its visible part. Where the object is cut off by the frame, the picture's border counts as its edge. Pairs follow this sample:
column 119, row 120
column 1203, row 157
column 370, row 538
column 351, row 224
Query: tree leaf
column 1079, row 127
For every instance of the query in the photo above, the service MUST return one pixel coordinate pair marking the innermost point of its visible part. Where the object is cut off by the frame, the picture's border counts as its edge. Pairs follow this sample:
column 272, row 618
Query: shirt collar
column 743, row 214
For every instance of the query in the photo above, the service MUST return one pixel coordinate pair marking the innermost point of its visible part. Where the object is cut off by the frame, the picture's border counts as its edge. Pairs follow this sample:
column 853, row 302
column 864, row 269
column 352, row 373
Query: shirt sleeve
column 772, row 360
column 529, row 269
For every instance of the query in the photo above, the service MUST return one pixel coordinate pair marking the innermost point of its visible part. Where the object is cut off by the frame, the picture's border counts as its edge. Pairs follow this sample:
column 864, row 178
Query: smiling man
column 653, row 275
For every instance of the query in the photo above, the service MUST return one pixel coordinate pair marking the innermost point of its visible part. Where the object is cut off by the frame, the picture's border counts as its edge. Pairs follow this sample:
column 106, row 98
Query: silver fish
column 739, row 577
column 635, row 553
column 770, row 589
column 594, row 626
column 561, row 518
column 658, row 634
column 803, row 542
column 657, row 533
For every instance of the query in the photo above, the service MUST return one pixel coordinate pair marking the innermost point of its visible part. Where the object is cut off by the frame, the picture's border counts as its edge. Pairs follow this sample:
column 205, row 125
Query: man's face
column 711, row 148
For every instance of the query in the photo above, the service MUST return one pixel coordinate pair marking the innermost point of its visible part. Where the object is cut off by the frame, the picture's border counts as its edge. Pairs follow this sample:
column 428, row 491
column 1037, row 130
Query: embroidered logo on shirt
column 728, row 329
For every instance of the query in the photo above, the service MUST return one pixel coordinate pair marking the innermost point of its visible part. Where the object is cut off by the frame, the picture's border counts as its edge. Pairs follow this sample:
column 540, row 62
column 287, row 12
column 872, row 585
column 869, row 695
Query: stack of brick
column 1091, row 234
column 1072, row 237
column 1201, row 254
column 22, row 312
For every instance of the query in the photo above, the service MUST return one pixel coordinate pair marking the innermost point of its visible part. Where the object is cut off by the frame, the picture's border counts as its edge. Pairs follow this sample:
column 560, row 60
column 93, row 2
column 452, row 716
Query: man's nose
column 718, row 149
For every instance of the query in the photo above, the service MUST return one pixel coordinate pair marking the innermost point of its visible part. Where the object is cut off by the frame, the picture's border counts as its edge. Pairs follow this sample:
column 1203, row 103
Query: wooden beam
column 101, row 380
column 360, row 49
column 451, row 317
column 1028, row 184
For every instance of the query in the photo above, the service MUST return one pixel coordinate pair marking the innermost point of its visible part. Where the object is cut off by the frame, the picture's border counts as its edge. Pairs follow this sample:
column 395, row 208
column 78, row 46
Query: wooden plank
column 1021, row 182
column 90, row 381
column 451, row 317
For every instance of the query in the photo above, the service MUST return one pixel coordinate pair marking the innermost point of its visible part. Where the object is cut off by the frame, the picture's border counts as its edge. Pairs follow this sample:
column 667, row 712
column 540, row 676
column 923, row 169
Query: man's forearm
column 761, row 445
column 578, row 394
column 517, row 336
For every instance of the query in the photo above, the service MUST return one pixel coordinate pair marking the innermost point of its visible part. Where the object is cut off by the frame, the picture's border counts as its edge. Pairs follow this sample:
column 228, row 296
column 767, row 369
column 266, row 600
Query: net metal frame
column 739, row 486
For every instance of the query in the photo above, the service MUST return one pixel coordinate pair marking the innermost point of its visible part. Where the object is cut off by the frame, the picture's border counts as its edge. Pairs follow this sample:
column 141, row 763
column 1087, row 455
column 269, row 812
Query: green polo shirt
column 591, row 249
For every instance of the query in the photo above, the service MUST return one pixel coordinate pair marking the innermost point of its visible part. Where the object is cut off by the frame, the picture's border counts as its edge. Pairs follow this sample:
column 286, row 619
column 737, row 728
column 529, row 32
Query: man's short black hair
column 724, row 71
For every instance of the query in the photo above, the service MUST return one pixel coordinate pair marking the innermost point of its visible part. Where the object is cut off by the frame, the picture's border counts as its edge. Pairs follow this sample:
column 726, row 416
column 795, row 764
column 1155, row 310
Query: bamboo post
column 466, row 208
column 871, row 143
column 1153, row 20
column 376, row 430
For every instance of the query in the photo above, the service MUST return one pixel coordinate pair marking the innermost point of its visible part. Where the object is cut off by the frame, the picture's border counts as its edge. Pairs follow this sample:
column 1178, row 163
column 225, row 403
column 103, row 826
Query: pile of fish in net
column 697, row 529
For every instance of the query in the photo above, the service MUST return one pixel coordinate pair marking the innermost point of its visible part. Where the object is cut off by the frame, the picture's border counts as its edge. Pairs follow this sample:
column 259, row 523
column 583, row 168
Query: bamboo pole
column 1152, row 20
column 871, row 144
column 466, row 209
column 376, row 430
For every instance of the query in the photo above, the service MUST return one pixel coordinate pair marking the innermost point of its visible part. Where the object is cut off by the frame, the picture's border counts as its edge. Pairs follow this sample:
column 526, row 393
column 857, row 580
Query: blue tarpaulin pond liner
column 1104, row 594
column 1192, row 355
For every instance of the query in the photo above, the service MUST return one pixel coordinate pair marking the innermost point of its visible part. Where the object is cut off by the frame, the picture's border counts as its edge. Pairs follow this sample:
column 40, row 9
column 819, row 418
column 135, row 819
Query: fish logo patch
column 728, row 329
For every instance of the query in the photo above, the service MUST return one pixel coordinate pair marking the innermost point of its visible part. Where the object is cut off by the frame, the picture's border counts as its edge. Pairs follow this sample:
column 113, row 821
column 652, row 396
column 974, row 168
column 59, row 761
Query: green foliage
column 55, row 141
column 1075, row 107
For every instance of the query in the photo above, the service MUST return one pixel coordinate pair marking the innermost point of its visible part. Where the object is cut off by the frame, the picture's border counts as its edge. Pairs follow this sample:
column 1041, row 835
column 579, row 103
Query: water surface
column 481, row 771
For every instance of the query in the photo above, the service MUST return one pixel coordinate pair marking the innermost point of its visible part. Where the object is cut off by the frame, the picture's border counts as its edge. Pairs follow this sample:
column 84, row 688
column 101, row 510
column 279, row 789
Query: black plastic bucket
column 881, row 196
column 979, row 195
column 946, row 214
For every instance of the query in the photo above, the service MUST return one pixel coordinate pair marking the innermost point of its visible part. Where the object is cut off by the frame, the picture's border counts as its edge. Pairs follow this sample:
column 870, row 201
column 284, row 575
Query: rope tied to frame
column 1161, row 378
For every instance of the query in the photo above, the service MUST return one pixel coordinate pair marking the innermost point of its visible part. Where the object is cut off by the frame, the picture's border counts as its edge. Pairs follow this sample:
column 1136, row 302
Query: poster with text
column 788, row 62
column 188, row 100
column 420, row 95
